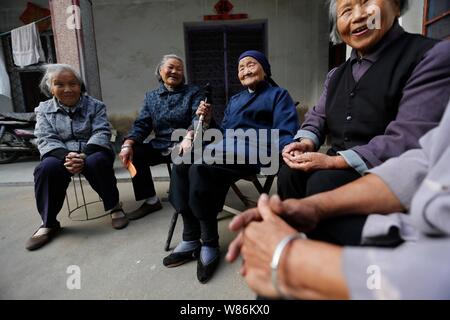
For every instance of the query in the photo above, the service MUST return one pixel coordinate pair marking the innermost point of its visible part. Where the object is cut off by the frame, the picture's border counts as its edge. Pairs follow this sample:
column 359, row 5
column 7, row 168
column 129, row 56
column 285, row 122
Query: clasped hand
column 74, row 162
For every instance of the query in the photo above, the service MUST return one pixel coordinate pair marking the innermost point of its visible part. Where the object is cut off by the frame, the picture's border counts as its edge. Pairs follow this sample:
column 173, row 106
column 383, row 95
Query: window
column 436, row 20
column 24, row 81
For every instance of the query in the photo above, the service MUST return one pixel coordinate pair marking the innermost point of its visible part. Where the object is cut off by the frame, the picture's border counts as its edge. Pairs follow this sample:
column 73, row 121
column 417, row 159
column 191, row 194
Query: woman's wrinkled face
column 172, row 73
column 363, row 23
column 250, row 72
column 66, row 88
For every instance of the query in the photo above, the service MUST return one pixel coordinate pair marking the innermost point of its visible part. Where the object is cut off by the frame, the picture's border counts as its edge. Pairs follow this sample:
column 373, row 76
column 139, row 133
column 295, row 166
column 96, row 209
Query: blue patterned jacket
column 165, row 111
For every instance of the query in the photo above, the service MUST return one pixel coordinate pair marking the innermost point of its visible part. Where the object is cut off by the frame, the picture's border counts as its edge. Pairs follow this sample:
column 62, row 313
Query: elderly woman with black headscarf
column 198, row 191
column 391, row 91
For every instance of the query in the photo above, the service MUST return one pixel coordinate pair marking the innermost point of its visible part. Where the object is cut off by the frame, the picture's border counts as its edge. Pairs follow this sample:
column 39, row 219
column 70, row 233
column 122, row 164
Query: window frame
column 428, row 22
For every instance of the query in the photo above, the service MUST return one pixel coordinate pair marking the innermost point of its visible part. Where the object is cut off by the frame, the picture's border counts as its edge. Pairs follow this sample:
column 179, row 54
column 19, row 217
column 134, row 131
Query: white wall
column 412, row 20
column 132, row 36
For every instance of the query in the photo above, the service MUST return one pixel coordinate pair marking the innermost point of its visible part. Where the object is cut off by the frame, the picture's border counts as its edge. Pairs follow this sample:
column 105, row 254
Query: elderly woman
column 171, row 106
column 198, row 191
column 413, row 189
column 73, row 136
column 391, row 91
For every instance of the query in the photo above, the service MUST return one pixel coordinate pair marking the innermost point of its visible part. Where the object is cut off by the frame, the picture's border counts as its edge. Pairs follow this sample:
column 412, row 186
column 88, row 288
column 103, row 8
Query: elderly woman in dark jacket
column 391, row 91
column 171, row 106
column 73, row 135
column 198, row 191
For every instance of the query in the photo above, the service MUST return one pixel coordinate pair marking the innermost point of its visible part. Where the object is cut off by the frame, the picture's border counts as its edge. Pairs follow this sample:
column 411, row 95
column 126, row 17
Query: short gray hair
column 164, row 59
column 52, row 70
column 335, row 37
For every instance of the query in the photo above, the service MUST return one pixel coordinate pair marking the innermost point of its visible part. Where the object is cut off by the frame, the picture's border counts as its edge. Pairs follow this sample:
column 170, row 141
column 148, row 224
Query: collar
column 261, row 87
column 392, row 35
column 56, row 105
column 163, row 90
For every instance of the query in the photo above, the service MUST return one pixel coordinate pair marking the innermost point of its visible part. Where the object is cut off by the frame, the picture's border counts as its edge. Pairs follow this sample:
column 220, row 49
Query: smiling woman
column 353, row 17
column 391, row 91
column 73, row 136
column 171, row 106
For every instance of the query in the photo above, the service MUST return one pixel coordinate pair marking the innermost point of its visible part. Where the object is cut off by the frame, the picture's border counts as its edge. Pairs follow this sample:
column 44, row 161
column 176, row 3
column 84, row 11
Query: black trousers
column 198, row 192
column 145, row 156
column 51, row 180
column 295, row 184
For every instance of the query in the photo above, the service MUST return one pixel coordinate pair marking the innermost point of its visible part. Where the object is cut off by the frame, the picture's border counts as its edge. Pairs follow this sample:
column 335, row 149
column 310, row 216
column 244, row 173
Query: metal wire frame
column 81, row 203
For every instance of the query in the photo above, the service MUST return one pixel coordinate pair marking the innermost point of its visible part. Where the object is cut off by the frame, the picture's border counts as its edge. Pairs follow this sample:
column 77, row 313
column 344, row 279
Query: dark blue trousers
column 144, row 156
column 51, row 180
column 198, row 192
column 296, row 184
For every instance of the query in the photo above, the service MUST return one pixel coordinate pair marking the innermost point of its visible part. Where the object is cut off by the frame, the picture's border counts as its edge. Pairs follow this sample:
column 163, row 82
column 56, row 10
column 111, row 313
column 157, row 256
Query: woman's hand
column 204, row 109
column 74, row 162
column 303, row 215
column 259, row 241
column 313, row 161
column 297, row 148
column 186, row 144
column 126, row 152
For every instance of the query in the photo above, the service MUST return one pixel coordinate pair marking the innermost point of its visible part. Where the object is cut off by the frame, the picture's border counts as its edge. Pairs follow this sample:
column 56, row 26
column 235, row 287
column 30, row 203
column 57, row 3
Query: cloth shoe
column 36, row 242
column 176, row 259
column 206, row 271
column 120, row 222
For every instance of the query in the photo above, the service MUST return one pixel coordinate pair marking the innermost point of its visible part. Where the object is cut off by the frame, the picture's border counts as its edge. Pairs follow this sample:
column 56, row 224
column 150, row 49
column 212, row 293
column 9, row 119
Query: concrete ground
column 113, row 264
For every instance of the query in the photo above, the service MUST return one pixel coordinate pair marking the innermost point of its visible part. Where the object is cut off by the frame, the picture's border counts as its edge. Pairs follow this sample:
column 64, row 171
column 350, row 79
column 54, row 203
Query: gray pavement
column 113, row 264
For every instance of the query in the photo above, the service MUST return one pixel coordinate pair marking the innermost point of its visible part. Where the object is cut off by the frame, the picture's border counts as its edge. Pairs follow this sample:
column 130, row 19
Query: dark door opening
column 337, row 55
column 212, row 52
column 30, row 88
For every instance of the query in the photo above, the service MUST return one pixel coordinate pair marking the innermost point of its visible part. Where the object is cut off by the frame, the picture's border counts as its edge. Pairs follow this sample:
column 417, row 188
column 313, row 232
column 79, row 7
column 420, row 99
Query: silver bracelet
column 277, row 256
column 125, row 146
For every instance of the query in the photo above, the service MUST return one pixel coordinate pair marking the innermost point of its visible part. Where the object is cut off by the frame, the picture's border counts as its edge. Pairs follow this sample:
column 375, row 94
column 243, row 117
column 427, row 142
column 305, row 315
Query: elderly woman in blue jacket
column 198, row 191
column 73, row 135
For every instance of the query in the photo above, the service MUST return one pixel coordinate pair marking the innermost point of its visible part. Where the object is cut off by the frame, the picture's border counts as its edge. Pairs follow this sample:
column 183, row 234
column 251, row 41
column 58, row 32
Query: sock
column 152, row 200
column 208, row 254
column 42, row 231
column 185, row 246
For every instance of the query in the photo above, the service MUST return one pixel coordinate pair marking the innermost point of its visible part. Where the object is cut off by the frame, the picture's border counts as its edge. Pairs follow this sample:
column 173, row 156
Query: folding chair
column 261, row 189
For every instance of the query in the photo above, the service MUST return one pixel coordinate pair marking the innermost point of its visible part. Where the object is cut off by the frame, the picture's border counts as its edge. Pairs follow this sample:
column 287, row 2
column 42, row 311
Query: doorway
column 212, row 52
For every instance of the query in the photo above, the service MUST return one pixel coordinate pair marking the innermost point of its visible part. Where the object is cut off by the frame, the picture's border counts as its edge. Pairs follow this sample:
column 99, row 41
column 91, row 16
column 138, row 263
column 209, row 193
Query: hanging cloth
column 26, row 45
column 5, row 88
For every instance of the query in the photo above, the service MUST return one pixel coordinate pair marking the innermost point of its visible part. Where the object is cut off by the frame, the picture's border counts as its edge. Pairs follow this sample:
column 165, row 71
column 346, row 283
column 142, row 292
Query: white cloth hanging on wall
column 5, row 88
column 26, row 45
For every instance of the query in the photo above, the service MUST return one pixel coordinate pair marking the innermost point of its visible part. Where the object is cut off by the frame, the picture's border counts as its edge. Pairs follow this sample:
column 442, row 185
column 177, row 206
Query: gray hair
column 335, row 37
column 52, row 70
column 164, row 59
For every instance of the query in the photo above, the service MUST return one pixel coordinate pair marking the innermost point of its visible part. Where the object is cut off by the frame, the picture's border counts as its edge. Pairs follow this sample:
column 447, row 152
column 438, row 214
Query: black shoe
column 176, row 259
column 144, row 210
column 205, row 272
